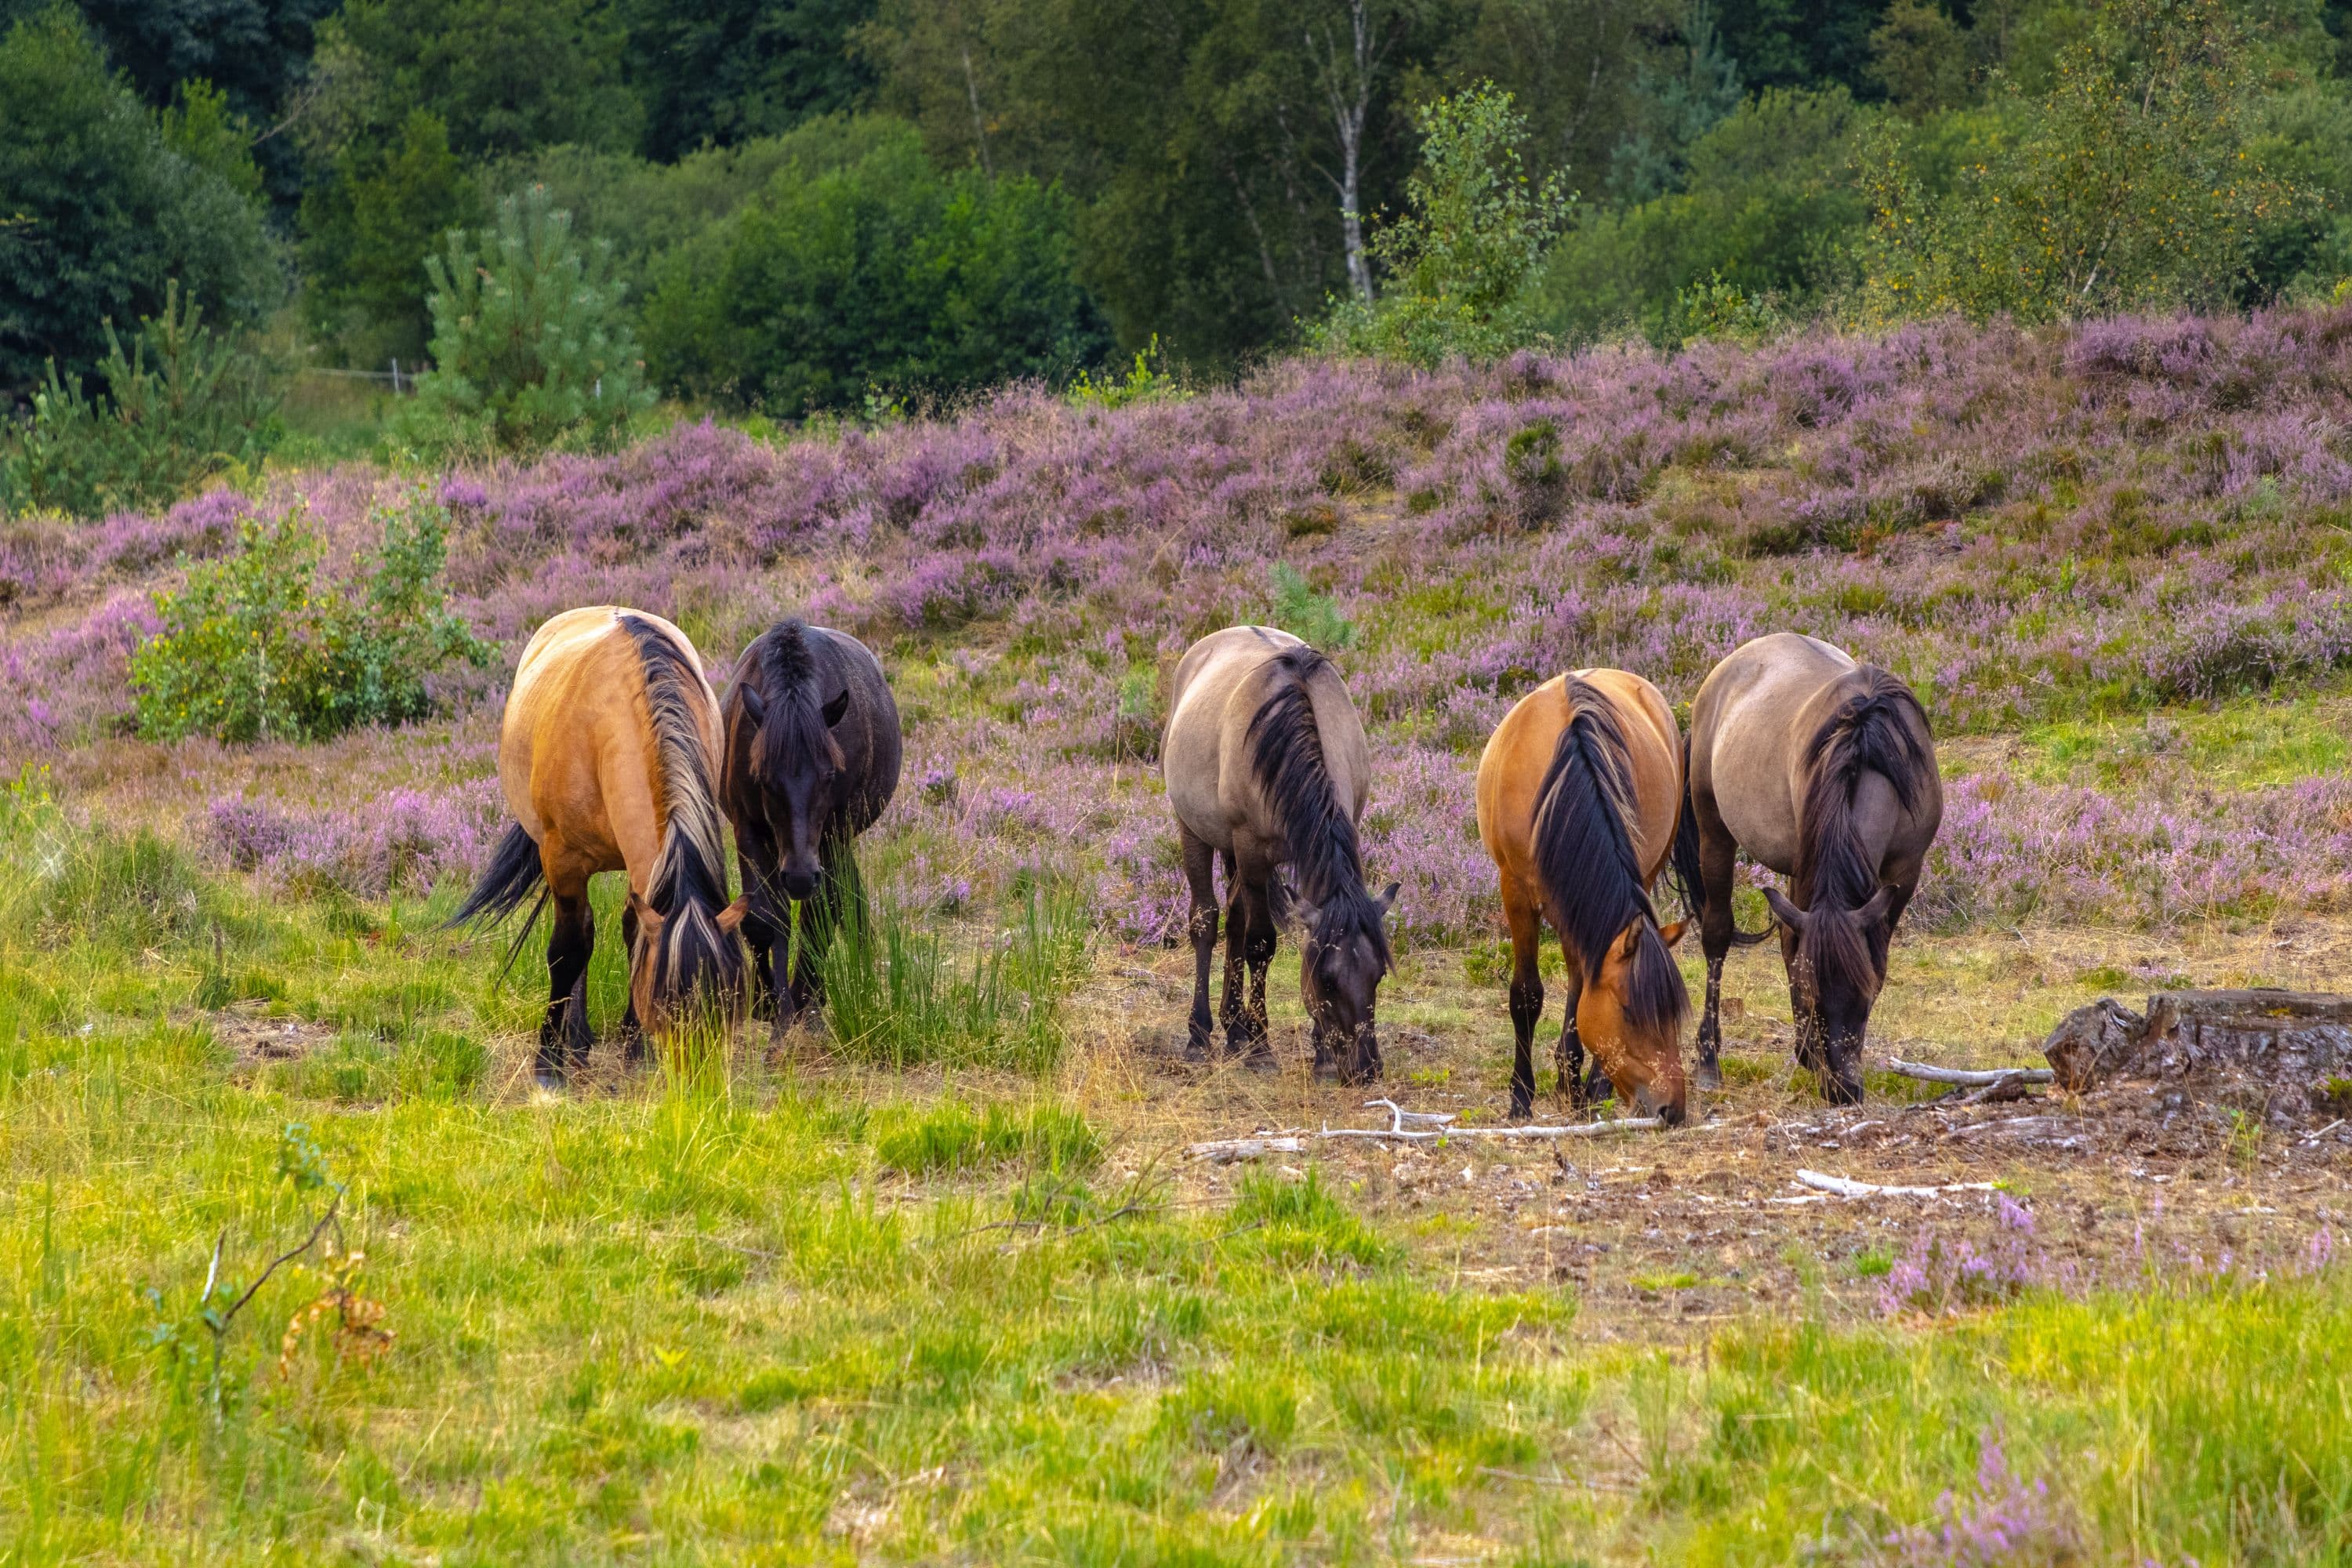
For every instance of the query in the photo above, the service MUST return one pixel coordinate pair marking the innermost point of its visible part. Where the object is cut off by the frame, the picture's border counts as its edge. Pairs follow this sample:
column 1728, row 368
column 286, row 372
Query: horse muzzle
column 1673, row 1113
column 799, row 884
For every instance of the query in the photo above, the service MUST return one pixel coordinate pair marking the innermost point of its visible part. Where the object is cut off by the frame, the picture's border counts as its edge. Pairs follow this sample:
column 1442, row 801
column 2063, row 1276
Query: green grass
column 708, row 1316
column 2242, row 744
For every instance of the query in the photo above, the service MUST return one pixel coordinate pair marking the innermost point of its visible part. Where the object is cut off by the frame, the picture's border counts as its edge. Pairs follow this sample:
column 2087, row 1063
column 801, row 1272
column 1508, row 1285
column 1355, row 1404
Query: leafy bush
column 862, row 265
column 2125, row 188
column 250, row 649
column 1476, row 230
column 368, row 223
column 530, row 347
column 155, row 431
column 100, row 205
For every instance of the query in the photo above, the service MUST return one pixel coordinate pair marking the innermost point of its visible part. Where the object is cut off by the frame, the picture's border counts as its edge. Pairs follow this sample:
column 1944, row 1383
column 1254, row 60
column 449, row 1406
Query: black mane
column 794, row 727
column 1585, row 858
column 1871, row 731
column 1287, row 759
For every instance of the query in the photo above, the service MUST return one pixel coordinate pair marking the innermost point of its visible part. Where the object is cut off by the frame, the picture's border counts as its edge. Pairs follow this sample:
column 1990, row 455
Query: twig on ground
column 1843, row 1187
column 2009, row 1087
column 1226, row 1151
column 1967, row 1078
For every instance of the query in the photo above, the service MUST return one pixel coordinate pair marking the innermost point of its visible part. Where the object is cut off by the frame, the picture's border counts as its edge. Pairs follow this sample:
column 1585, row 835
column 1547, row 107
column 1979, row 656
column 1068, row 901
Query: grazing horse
column 1577, row 794
column 606, row 757
column 1823, row 770
column 1266, row 765
column 813, row 753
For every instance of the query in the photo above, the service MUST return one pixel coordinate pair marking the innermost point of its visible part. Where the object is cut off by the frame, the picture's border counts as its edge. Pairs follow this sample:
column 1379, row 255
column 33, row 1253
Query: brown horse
column 1266, row 765
column 1823, row 770
column 605, row 756
column 1577, row 794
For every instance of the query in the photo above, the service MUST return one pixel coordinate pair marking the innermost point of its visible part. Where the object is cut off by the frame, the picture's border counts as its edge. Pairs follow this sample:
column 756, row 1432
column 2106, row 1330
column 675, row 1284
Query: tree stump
column 2285, row 1040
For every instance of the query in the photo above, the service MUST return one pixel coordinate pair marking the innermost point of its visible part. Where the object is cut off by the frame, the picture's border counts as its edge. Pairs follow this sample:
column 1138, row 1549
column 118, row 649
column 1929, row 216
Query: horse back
column 1219, row 685
column 1519, row 753
column 578, row 761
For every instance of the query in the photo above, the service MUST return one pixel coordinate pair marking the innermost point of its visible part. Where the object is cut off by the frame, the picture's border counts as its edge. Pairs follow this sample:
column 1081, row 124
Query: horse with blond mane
column 606, row 757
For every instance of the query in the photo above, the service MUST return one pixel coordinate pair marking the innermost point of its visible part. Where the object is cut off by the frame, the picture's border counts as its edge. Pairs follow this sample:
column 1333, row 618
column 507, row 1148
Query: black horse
column 813, row 754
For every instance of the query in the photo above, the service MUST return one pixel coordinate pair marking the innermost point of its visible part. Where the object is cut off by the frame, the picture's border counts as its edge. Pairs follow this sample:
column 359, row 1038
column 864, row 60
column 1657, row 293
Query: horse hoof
column 549, row 1080
column 1261, row 1060
column 1706, row 1075
column 1329, row 1072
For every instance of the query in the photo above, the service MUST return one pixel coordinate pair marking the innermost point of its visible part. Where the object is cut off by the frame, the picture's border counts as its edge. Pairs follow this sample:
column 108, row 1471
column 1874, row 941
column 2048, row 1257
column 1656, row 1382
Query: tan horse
column 1266, row 765
column 606, row 756
column 1823, row 770
column 1578, row 796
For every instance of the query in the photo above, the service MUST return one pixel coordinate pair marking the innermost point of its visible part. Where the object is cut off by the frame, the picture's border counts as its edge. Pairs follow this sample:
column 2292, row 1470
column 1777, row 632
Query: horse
column 1266, row 765
column 812, row 751
column 1823, row 770
column 1579, row 793
column 606, row 757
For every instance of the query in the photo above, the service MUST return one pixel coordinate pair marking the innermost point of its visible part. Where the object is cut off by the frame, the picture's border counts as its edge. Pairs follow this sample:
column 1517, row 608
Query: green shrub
column 101, row 204
column 862, row 267
column 1476, row 230
column 157, row 430
column 1299, row 610
column 251, row 649
column 2125, row 186
column 531, row 346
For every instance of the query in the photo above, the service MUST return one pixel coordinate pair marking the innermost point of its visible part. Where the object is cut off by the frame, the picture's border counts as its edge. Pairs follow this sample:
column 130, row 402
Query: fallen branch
column 1841, row 1186
column 1226, row 1151
column 1967, row 1077
column 1570, row 1130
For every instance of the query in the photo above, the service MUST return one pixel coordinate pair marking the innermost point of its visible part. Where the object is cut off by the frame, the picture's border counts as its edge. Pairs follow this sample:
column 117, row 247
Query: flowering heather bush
column 2004, row 1521
column 405, row 841
column 2024, row 525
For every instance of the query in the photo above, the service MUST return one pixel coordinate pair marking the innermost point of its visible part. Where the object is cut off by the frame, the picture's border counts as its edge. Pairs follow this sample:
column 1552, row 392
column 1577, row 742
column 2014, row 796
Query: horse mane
column 688, row 885
column 1586, row 860
column 1287, row 759
column 795, row 725
column 1870, row 730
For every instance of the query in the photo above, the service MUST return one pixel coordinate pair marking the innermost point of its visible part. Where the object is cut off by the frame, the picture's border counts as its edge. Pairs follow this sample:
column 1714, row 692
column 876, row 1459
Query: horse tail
column 513, row 874
column 1586, row 862
column 1689, row 880
column 688, row 885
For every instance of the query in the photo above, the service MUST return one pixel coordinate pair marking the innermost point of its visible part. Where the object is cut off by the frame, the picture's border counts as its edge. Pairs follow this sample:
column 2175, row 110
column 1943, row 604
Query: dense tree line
column 801, row 201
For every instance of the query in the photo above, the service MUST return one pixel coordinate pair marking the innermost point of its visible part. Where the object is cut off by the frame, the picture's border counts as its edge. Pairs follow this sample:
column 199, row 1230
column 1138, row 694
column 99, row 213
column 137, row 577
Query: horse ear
column 1672, row 933
column 1787, row 914
column 730, row 918
column 836, row 708
column 1871, row 913
column 1387, row 901
column 1627, row 941
column 755, row 705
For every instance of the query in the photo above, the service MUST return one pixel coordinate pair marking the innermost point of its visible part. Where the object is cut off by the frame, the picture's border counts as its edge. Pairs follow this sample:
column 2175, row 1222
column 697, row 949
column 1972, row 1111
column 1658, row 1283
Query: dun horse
column 1823, row 770
column 605, row 756
column 1266, row 767
column 813, row 753
column 1578, row 796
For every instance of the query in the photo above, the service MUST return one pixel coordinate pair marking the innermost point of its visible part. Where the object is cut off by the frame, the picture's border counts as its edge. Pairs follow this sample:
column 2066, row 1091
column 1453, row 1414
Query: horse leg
column 1577, row 1088
column 761, row 931
column 563, row 1035
column 1717, row 858
column 1527, row 998
column 633, row 1029
column 1230, row 1005
column 1259, row 953
column 1200, row 873
column 839, row 904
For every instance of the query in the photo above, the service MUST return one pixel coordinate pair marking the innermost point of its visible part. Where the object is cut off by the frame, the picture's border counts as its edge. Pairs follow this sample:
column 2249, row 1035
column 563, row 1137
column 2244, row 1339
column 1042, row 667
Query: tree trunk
column 2291, row 1040
column 1348, row 90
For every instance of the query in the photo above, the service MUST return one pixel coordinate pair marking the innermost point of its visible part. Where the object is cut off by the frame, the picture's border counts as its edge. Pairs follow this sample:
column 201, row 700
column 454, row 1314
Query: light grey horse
column 1266, row 765
column 1823, row 770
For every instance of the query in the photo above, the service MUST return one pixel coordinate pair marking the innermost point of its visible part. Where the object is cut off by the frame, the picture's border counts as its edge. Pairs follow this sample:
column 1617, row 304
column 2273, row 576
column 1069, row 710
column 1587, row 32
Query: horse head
column 1630, row 1015
column 1837, row 965
column 685, row 963
column 797, row 764
column 1340, row 963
